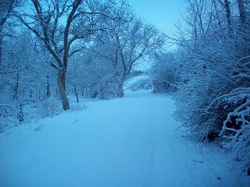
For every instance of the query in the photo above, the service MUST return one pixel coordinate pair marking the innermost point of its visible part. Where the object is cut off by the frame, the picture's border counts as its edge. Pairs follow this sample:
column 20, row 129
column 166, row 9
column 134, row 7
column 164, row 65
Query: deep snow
column 127, row 142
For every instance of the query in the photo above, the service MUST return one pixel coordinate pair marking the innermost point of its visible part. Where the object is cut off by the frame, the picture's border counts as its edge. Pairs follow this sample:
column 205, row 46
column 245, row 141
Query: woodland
column 56, row 52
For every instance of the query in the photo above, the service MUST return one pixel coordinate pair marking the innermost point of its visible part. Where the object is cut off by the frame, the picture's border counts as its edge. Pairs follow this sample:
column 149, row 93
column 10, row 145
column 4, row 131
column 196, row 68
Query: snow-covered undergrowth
column 12, row 116
column 132, row 142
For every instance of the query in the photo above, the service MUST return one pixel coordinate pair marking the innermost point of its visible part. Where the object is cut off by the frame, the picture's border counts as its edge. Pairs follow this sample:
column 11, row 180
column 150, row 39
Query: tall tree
column 59, row 25
column 46, row 25
column 6, row 8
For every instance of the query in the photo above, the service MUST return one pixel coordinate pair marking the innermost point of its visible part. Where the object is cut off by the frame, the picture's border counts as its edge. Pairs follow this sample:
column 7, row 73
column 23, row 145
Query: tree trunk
column 242, row 12
column 61, row 88
column 244, row 28
column 120, row 91
column 16, row 87
column 228, row 13
column 76, row 93
column 48, row 87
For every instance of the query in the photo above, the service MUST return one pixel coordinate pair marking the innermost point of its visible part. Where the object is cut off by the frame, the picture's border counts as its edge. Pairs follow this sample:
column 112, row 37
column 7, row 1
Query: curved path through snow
column 128, row 142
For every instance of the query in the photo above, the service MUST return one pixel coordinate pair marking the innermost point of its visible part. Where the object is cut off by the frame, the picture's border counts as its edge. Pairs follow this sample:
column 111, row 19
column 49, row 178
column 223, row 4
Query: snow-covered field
column 128, row 142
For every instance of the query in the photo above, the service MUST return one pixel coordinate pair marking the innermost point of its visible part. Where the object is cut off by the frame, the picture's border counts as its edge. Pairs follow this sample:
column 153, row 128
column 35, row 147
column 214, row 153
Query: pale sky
column 164, row 14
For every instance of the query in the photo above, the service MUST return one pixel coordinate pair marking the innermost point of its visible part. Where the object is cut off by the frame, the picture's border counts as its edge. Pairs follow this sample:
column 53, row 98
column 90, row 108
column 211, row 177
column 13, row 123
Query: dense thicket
column 213, row 97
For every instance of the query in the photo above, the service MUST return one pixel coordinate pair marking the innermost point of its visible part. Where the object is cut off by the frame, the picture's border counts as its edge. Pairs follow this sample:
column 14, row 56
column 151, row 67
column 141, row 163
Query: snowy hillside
column 128, row 142
column 139, row 82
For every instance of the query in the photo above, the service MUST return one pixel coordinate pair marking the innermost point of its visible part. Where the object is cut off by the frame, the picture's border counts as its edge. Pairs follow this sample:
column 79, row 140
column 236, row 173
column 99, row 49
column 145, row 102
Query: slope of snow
column 128, row 142
column 136, row 81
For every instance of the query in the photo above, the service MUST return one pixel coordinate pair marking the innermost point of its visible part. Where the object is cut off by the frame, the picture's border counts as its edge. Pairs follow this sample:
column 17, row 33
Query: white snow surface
column 135, row 80
column 127, row 142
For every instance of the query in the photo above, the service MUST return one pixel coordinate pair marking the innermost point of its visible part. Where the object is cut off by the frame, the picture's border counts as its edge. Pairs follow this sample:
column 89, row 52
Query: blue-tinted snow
column 128, row 142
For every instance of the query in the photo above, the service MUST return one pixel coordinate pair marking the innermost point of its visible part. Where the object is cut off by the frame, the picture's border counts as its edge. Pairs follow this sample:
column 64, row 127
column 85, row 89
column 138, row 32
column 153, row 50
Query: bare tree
column 129, row 40
column 6, row 8
column 55, row 24
column 60, row 25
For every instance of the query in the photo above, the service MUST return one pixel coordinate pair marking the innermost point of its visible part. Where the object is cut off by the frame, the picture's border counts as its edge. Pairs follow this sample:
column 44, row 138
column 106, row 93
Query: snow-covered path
column 128, row 142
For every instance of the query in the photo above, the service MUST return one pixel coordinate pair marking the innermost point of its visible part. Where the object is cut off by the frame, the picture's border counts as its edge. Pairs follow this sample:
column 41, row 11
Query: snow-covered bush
column 48, row 107
column 236, row 127
column 205, row 75
column 9, row 116
column 25, row 80
column 213, row 94
column 165, row 70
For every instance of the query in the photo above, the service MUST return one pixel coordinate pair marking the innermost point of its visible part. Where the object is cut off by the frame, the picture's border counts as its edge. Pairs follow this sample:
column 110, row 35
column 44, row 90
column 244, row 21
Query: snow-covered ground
column 127, row 142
